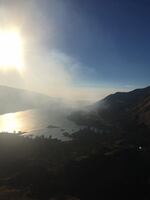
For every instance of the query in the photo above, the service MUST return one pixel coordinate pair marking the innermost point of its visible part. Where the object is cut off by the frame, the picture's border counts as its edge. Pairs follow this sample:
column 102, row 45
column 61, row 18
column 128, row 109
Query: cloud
column 47, row 69
column 54, row 74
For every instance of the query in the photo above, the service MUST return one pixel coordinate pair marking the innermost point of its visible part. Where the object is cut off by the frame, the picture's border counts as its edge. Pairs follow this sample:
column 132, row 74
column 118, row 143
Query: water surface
column 48, row 121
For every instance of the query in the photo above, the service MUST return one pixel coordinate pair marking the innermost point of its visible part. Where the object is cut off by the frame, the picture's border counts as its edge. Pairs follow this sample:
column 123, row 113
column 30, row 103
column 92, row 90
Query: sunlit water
column 36, row 122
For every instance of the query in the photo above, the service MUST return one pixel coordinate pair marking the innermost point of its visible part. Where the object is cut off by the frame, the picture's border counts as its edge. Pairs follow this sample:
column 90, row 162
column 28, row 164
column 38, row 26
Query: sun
column 11, row 50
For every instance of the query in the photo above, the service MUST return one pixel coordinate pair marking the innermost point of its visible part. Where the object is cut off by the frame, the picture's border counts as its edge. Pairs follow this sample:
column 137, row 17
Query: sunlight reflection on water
column 36, row 122
column 19, row 121
column 10, row 123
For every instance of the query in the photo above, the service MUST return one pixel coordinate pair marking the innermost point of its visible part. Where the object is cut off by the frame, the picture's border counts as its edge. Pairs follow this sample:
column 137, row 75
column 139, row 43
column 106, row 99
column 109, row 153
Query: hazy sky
column 80, row 48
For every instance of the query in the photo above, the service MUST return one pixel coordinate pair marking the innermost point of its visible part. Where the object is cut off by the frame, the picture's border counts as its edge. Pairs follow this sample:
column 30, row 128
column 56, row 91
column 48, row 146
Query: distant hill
column 13, row 100
column 121, row 109
column 124, row 100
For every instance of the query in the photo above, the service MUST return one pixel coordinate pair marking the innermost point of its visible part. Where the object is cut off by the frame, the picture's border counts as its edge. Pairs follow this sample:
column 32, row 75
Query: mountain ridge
column 122, row 109
column 15, row 99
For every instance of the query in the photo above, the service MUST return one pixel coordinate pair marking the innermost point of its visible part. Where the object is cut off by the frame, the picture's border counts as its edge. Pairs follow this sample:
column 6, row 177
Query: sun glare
column 11, row 50
column 9, row 123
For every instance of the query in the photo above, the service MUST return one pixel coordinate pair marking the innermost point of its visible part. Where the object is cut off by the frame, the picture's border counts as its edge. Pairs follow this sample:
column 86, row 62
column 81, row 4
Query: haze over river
column 48, row 121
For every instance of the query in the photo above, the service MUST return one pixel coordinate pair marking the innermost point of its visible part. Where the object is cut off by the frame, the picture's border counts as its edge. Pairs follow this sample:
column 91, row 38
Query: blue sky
column 112, row 37
column 109, row 36
column 100, row 43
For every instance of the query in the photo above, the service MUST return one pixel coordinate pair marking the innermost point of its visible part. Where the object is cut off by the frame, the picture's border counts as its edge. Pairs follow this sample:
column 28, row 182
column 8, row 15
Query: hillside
column 122, row 110
column 13, row 100
column 142, row 112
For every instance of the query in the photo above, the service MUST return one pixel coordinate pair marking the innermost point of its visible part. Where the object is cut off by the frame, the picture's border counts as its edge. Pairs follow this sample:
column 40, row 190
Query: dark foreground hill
column 90, row 166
